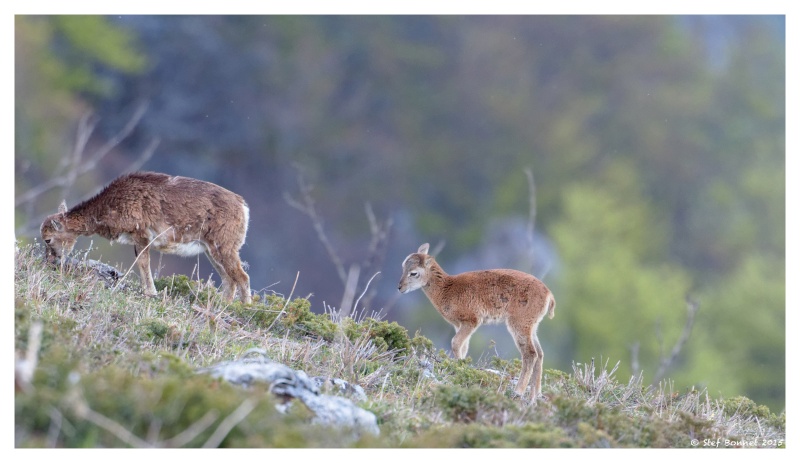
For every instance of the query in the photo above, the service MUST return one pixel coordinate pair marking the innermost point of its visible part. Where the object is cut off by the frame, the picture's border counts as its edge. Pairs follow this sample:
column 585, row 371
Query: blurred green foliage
column 61, row 61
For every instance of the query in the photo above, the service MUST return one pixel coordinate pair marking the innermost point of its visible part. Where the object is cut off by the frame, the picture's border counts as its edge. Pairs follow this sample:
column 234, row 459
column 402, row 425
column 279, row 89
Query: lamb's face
column 415, row 273
column 57, row 240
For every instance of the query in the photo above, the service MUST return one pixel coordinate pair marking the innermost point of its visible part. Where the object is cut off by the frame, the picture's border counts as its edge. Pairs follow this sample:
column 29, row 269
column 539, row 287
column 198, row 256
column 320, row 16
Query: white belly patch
column 125, row 238
column 186, row 249
column 162, row 244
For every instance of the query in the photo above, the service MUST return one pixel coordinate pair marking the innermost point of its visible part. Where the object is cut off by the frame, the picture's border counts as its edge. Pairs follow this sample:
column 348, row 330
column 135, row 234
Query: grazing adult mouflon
column 470, row 299
column 173, row 215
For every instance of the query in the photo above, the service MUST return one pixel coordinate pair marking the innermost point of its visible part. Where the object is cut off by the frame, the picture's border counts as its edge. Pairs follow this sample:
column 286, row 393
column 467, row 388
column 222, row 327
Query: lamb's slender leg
column 528, row 361
column 537, row 368
column 460, row 343
column 524, row 335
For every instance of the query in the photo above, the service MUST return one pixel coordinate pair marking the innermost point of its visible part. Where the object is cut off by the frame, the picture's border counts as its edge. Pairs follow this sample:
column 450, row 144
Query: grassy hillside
column 111, row 368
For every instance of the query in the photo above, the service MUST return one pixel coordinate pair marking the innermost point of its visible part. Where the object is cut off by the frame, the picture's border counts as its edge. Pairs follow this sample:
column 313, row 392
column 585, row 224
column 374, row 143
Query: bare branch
column 76, row 169
column 379, row 233
column 144, row 157
column 122, row 134
column 666, row 362
column 308, row 207
column 349, row 291
column 376, row 252
column 379, row 239
column 85, row 130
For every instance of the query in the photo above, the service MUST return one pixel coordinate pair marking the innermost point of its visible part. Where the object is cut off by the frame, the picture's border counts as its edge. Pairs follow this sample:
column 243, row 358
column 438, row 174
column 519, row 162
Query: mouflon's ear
column 423, row 249
column 62, row 208
column 58, row 226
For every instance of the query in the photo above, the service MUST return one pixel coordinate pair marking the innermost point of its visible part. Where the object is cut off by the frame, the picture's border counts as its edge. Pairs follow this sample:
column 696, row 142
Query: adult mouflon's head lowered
column 58, row 239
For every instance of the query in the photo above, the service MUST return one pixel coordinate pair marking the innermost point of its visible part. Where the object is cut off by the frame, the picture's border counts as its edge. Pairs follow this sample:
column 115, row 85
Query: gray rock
column 290, row 384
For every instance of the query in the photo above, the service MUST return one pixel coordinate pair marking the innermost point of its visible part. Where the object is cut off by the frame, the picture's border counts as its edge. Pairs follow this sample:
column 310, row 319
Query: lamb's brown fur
column 470, row 299
column 173, row 215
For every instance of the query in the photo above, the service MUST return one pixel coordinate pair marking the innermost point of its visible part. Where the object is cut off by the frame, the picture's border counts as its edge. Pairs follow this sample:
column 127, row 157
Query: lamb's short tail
column 551, row 302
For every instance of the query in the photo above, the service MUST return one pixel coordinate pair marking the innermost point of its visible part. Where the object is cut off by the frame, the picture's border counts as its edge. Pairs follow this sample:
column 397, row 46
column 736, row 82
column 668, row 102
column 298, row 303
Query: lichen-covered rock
column 295, row 384
column 338, row 411
column 283, row 381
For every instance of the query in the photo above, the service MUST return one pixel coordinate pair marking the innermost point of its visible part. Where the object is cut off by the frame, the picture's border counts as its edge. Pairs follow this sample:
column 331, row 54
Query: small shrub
column 590, row 436
column 462, row 373
column 511, row 367
column 467, row 405
column 163, row 363
column 530, row 435
column 182, row 286
column 259, row 314
column 422, row 345
column 385, row 335
column 300, row 317
column 154, row 329
column 569, row 411
column 297, row 316
column 746, row 407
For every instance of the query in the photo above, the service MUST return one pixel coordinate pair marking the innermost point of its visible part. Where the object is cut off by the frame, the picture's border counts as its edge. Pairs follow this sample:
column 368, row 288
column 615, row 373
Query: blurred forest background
column 634, row 163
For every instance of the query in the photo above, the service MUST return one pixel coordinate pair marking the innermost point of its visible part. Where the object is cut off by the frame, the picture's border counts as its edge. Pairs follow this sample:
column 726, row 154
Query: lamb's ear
column 62, row 208
column 428, row 261
column 58, row 226
column 423, row 249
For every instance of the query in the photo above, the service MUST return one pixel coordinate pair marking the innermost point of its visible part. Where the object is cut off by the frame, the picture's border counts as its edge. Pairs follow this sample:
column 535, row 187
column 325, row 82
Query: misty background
column 634, row 163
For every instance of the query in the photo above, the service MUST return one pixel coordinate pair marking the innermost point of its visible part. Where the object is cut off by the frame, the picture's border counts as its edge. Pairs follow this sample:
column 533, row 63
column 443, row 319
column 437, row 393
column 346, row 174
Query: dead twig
column 212, row 317
column 666, row 362
column 286, row 304
column 229, row 423
column 194, row 430
column 122, row 278
column 355, row 306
